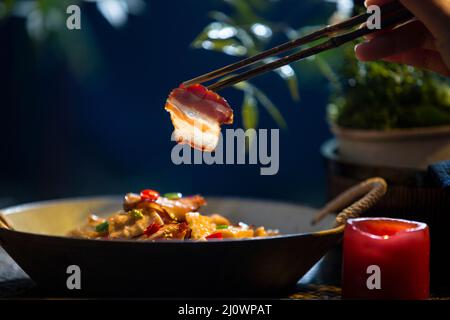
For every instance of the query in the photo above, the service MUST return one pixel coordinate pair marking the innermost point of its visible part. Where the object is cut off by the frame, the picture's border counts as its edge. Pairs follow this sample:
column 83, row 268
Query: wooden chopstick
column 328, row 30
column 316, row 35
column 395, row 9
column 334, row 42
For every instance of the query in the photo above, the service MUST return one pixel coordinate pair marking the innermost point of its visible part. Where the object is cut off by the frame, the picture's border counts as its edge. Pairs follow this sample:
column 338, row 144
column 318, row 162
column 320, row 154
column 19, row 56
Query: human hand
column 423, row 42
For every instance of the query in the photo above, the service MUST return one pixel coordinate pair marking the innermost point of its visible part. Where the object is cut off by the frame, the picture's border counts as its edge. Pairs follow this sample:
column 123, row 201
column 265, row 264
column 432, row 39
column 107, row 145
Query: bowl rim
column 394, row 134
column 10, row 210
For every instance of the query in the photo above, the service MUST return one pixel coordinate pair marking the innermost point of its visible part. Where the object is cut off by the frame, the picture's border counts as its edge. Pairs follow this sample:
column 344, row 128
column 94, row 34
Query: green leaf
column 247, row 41
column 328, row 73
column 261, row 31
column 264, row 100
column 219, row 31
column 222, row 37
column 221, row 226
column 230, row 47
column 137, row 213
column 271, row 108
column 249, row 111
column 221, row 17
column 102, row 227
column 287, row 73
column 244, row 11
column 173, row 195
column 115, row 12
column 243, row 85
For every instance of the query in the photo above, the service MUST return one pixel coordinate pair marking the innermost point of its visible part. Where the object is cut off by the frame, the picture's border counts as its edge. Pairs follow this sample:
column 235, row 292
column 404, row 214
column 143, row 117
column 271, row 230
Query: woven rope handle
column 355, row 200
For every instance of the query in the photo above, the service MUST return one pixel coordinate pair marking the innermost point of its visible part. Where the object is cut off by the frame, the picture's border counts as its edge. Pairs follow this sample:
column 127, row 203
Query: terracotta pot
column 402, row 148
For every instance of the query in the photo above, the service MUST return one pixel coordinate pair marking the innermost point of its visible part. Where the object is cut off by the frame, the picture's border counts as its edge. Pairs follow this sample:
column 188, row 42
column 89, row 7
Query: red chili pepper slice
column 149, row 194
column 151, row 229
column 215, row 235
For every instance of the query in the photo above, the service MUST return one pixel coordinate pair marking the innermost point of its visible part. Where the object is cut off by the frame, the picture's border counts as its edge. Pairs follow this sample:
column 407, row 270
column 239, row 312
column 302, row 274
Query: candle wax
column 386, row 259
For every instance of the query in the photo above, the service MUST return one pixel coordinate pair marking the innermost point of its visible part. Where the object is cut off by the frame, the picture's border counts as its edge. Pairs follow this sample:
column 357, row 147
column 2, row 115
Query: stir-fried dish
column 148, row 216
column 197, row 114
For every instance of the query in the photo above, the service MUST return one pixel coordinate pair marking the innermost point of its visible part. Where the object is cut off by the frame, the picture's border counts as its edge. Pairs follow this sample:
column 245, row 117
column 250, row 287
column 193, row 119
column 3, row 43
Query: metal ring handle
column 355, row 200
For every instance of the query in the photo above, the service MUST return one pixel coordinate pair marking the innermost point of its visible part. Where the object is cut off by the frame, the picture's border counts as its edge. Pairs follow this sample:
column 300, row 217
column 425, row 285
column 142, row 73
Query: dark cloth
column 440, row 173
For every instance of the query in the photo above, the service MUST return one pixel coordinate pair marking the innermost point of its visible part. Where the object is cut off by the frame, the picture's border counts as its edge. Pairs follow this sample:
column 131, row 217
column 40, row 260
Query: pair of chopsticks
column 392, row 14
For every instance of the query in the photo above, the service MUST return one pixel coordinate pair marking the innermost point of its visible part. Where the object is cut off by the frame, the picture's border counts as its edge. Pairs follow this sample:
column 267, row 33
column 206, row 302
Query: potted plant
column 390, row 115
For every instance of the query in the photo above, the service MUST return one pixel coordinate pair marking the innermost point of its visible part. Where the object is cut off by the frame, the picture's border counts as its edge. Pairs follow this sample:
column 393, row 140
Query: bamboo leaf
column 249, row 111
column 222, row 37
column 271, row 108
column 221, row 17
column 243, row 85
column 216, row 31
column 264, row 100
column 244, row 11
column 246, row 40
column 115, row 12
column 261, row 31
column 287, row 73
column 328, row 73
column 230, row 47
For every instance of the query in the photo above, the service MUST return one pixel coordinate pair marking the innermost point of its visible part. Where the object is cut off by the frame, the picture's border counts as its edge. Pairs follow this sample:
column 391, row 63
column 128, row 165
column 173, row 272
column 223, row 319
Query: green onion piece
column 172, row 195
column 137, row 213
column 221, row 226
column 102, row 227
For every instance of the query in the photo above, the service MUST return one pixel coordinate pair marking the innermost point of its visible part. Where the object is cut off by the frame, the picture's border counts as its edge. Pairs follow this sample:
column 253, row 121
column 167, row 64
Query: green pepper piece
column 137, row 213
column 172, row 195
column 102, row 227
column 221, row 226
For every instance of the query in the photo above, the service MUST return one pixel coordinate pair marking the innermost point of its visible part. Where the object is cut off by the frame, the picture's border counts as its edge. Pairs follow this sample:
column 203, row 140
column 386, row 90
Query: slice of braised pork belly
column 197, row 114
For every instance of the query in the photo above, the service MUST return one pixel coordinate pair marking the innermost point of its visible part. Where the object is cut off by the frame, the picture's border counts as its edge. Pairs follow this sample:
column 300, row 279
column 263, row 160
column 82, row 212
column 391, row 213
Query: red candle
column 386, row 259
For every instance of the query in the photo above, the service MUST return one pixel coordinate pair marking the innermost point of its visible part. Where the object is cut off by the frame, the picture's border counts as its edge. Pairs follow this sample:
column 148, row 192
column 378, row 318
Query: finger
column 373, row 35
column 435, row 14
column 404, row 38
column 422, row 58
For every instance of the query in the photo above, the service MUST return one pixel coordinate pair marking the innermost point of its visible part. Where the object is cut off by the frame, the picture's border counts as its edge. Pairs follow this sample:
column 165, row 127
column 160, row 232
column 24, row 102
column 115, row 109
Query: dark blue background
column 105, row 131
